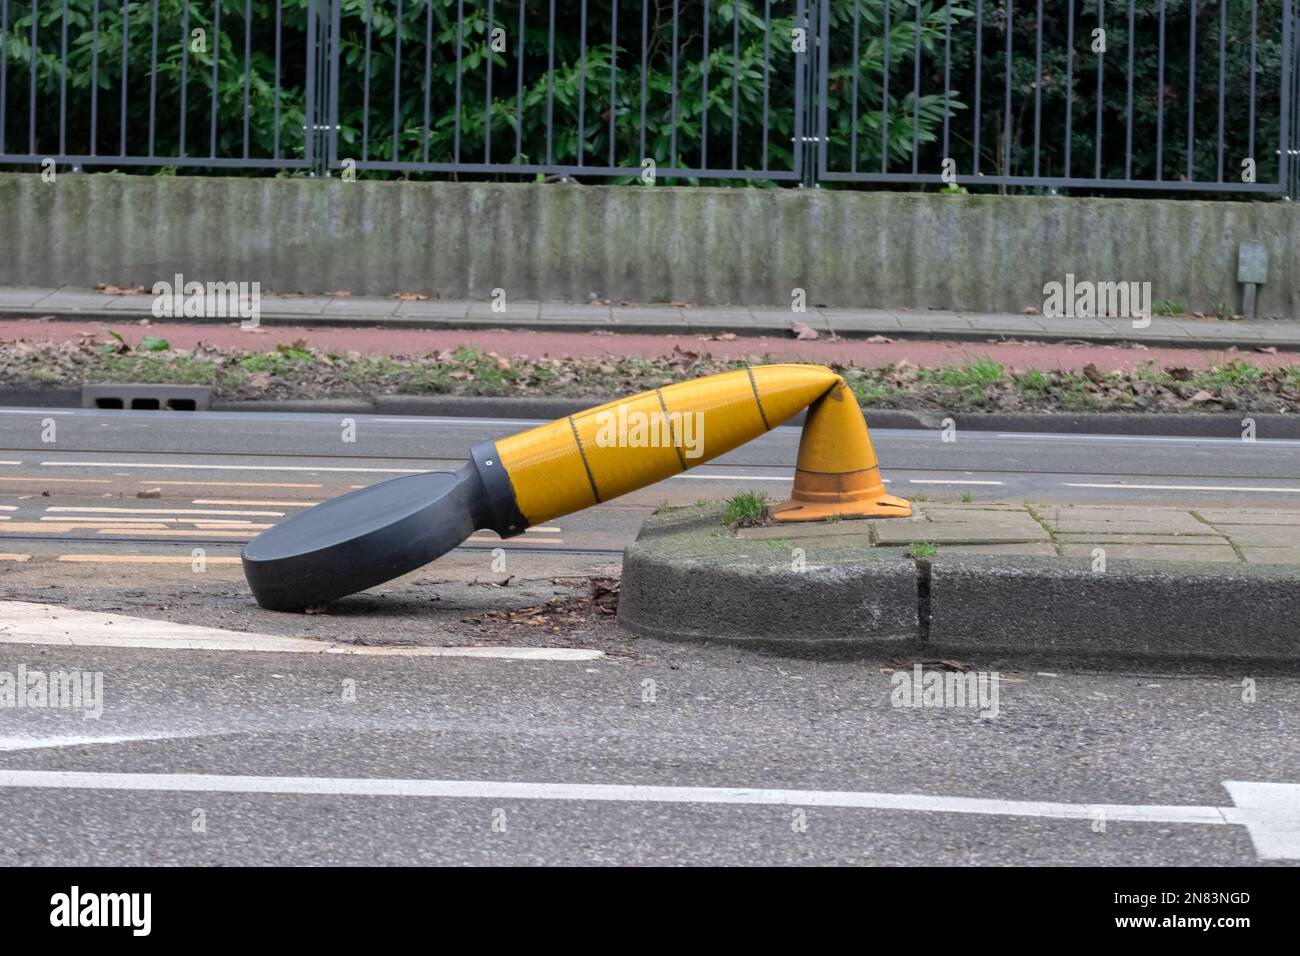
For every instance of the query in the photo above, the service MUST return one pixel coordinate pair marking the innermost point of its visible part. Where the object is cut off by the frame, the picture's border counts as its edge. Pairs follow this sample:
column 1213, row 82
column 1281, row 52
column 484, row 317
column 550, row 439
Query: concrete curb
column 1268, row 425
column 687, row 578
column 691, row 324
column 675, row 588
column 985, row 605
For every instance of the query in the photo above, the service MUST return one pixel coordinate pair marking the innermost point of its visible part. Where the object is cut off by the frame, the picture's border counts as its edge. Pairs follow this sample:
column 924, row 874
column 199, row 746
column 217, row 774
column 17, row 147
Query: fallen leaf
column 802, row 332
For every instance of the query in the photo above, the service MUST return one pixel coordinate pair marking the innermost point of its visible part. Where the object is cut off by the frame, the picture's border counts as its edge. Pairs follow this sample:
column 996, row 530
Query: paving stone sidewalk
column 399, row 313
column 1069, row 531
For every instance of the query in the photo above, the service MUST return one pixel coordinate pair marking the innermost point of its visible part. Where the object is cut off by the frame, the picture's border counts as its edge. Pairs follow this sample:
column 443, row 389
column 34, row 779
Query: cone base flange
column 886, row 506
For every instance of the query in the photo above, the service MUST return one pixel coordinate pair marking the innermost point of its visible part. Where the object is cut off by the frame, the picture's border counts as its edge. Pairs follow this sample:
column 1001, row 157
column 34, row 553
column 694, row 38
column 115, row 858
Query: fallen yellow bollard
column 377, row 533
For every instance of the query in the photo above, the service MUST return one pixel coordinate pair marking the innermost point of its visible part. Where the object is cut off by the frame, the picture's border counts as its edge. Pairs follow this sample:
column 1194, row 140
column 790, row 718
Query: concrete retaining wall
column 700, row 245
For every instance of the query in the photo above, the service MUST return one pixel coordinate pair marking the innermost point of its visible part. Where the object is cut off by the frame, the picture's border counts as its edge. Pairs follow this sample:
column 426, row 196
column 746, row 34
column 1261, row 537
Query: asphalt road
column 714, row 720
column 438, row 739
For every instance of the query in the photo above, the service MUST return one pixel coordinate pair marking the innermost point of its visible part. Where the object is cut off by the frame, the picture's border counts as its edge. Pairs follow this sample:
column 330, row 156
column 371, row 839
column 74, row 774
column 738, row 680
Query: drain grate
column 164, row 398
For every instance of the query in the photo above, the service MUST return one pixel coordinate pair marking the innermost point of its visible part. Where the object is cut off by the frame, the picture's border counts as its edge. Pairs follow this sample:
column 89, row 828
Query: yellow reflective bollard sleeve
column 377, row 533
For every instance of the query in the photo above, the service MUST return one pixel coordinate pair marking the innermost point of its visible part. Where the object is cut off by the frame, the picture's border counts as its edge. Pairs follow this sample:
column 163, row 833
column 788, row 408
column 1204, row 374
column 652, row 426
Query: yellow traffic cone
column 837, row 474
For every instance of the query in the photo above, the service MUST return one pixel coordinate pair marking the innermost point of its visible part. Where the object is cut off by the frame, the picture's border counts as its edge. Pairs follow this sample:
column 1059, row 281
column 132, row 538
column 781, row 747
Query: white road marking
column 231, row 484
column 1122, row 486
column 690, row 476
column 246, row 501
column 41, row 743
column 946, row 481
column 9, row 556
column 166, row 511
column 520, row 423
column 114, row 521
column 8, row 507
column 140, row 559
column 10, row 462
column 1153, row 439
column 142, row 464
column 22, row 622
column 1268, row 811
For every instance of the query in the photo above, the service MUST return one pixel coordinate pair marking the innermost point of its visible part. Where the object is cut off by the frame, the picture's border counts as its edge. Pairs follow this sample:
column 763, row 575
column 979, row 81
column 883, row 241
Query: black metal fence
column 1173, row 95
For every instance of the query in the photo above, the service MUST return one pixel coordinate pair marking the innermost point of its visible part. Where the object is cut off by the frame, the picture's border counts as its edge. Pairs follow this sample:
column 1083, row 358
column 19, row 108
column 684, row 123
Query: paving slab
column 1225, row 516
column 816, row 589
column 1262, row 536
column 22, row 298
column 850, row 322
column 304, row 304
column 931, row 532
column 433, row 310
column 1181, row 540
column 367, row 307
column 1153, row 552
column 719, row 319
column 1041, row 549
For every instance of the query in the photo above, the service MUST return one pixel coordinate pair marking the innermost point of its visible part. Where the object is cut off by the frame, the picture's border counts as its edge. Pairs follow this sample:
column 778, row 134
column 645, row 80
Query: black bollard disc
column 361, row 539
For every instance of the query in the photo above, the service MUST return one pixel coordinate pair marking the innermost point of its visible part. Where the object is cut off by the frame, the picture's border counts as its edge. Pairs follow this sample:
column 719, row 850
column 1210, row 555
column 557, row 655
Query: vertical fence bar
column 126, row 32
column 487, row 105
column 153, row 79
column 767, row 74
column 613, row 75
column 979, row 78
column 645, row 46
column 801, row 19
column 704, row 106
column 1038, row 85
column 365, row 90
column 1101, row 59
column 1223, row 37
column 248, row 64
column 397, row 81
column 216, row 56
column 275, row 133
column 1128, row 133
column 318, row 76
column 1288, row 80
column 1006, row 121
column 916, row 90
column 1069, row 85
column 1160, row 100
column 428, row 72
column 460, row 53
column 4, row 68
column 1254, row 32
column 947, row 72
column 63, row 75
column 672, row 123
column 550, row 87
column 32, row 58
column 519, row 88
column 185, row 71
column 853, row 111
column 1191, row 88
column 334, row 31
column 735, row 84
column 582, row 84
column 884, row 95
column 94, row 78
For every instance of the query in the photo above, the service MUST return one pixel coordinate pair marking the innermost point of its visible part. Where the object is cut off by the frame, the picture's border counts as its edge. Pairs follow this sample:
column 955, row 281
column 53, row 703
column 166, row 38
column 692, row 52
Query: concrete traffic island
column 977, row 581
